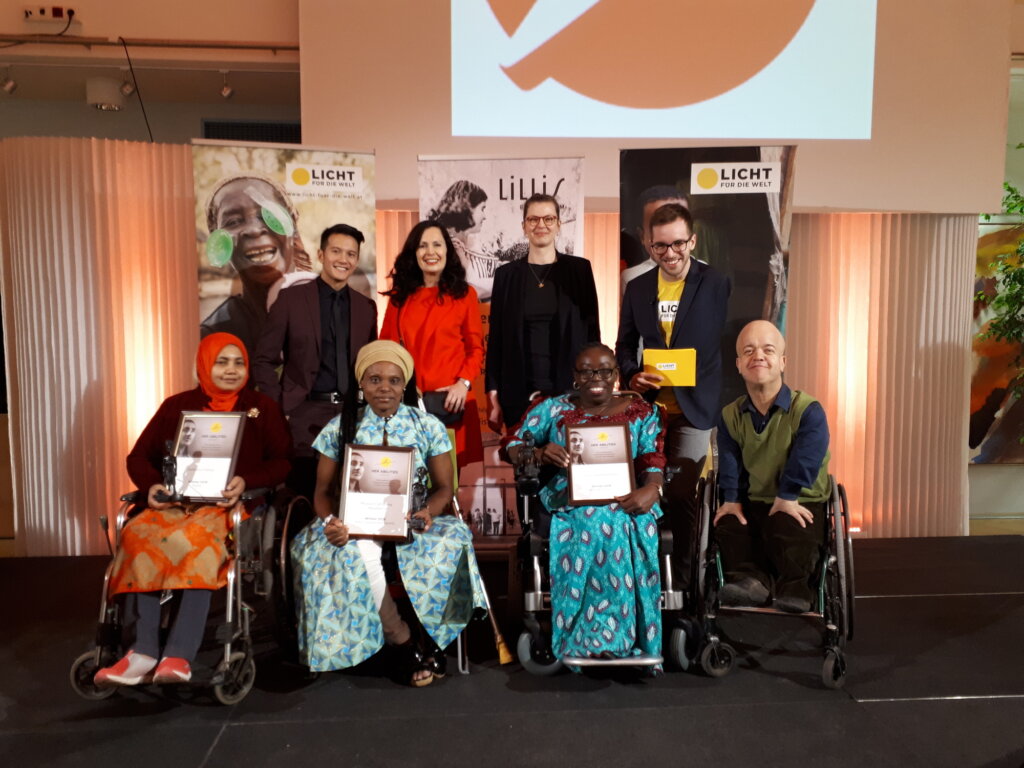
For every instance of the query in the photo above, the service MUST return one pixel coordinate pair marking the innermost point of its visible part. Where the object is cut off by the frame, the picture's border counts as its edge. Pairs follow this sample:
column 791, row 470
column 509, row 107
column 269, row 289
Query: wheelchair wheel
column 717, row 659
column 846, row 572
column 678, row 640
column 282, row 597
column 534, row 663
column 833, row 669
column 82, row 671
column 238, row 679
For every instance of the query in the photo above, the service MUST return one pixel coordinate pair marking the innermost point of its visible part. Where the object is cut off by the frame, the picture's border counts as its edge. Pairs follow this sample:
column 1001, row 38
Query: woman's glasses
column 605, row 374
column 534, row 221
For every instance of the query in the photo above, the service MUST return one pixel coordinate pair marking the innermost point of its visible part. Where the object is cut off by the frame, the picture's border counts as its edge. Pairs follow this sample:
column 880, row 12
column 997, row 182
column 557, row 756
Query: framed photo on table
column 376, row 492
column 600, row 463
column 205, row 452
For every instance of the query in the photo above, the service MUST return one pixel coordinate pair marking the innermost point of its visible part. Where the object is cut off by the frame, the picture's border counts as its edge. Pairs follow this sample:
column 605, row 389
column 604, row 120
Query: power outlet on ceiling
column 50, row 13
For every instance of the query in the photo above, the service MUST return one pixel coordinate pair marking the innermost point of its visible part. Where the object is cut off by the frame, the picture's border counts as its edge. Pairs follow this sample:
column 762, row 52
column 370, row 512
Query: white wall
column 376, row 76
column 176, row 123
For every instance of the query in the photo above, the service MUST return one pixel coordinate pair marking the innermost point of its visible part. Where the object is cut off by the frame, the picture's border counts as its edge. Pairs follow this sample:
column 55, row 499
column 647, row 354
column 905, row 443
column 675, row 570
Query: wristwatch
column 468, row 383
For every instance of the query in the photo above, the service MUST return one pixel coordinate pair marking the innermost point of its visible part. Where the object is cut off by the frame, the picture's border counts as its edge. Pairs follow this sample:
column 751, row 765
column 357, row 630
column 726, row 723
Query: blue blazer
column 699, row 324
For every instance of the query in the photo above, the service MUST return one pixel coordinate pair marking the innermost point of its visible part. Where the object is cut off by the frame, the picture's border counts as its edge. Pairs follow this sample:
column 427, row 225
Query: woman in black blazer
column 543, row 309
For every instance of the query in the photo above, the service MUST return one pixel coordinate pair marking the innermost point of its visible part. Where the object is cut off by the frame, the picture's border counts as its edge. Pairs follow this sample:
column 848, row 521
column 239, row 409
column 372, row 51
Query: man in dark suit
column 314, row 331
column 680, row 305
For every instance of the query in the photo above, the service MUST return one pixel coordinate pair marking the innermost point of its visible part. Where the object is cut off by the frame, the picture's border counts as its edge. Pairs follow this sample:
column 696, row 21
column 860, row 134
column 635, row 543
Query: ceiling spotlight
column 128, row 86
column 8, row 83
column 104, row 93
column 226, row 91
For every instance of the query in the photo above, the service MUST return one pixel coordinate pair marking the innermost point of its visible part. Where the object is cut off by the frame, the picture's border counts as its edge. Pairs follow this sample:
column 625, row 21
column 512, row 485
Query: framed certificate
column 205, row 452
column 376, row 491
column 600, row 463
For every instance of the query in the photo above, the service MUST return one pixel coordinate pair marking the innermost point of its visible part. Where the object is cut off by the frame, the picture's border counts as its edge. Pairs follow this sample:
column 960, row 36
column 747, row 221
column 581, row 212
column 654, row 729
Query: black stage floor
column 936, row 679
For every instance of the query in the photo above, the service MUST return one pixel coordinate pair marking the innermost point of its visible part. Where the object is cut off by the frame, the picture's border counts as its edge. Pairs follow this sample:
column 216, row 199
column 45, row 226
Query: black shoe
column 745, row 591
column 792, row 603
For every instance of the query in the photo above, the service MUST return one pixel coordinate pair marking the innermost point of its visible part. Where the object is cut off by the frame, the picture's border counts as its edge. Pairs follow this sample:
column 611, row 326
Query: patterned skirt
column 339, row 625
column 605, row 583
column 171, row 549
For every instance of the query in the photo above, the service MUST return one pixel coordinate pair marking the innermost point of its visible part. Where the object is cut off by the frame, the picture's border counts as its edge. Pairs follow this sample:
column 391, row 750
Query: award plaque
column 600, row 463
column 205, row 452
column 376, row 491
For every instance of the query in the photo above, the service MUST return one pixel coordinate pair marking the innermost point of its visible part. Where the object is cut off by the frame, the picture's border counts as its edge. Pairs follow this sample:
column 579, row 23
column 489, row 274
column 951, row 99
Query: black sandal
column 417, row 661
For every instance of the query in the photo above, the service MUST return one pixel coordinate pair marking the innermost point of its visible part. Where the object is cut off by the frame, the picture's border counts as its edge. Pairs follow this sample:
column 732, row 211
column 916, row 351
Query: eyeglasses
column 605, row 374
column 678, row 246
column 533, row 221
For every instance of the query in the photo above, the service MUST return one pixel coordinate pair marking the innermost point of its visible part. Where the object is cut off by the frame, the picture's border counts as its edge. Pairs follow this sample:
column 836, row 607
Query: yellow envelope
column 677, row 367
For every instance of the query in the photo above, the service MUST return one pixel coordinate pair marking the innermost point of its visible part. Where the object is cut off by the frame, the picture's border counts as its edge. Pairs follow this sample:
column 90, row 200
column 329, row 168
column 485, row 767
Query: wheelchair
column 833, row 605
column 255, row 563
column 533, row 647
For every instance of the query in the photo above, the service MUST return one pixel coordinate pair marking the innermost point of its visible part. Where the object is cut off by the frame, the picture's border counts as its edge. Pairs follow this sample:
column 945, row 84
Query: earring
column 575, row 385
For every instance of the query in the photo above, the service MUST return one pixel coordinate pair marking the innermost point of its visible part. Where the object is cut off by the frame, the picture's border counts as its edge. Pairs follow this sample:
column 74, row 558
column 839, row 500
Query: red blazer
column 292, row 337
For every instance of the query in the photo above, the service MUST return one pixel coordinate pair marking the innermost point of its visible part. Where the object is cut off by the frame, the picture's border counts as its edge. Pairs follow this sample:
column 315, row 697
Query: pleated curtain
column 100, row 308
column 879, row 332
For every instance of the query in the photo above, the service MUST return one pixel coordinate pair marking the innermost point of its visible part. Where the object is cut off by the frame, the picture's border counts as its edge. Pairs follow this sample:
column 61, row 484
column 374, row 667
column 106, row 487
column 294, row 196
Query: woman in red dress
column 433, row 313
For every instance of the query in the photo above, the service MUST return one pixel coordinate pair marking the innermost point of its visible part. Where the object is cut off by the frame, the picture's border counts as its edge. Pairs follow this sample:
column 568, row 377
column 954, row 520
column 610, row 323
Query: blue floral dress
column 339, row 625
column 605, row 579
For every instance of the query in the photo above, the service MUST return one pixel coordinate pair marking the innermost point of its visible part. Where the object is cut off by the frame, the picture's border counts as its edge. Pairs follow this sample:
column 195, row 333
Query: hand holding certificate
column 205, row 452
column 600, row 463
column 376, row 491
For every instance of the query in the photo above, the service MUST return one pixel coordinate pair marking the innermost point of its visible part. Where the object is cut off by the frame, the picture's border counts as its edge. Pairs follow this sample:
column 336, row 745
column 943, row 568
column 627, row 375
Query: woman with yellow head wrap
column 345, row 611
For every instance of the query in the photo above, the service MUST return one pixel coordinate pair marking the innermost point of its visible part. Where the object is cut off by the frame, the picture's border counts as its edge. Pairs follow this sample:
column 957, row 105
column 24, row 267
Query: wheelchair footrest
column 626, row 661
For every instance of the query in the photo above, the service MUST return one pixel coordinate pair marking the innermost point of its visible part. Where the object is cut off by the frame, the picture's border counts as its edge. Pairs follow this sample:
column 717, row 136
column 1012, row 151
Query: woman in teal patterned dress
column 345, row 611
column 605, row 579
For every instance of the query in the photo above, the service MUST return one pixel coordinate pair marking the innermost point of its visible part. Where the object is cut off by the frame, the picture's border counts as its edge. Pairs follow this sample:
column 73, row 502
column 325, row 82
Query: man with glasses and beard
column 680, row 305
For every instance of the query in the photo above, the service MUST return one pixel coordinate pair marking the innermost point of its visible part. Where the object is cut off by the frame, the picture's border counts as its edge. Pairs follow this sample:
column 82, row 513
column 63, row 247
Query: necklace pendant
column 540, row 285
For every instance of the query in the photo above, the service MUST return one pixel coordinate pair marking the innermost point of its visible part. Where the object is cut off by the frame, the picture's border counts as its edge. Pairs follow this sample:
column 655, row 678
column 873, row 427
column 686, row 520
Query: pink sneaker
column 131, row 670
column 172, row 670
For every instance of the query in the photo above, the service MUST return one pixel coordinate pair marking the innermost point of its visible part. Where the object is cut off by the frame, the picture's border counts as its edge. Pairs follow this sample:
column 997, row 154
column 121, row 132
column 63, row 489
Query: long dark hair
column 455, row 210
column 406, row 276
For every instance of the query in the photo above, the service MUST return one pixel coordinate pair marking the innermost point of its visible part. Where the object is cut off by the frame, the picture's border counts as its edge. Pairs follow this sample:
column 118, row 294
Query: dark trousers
column 186, row 631
column 773, row 547
column 306, row 420
column 686, row 449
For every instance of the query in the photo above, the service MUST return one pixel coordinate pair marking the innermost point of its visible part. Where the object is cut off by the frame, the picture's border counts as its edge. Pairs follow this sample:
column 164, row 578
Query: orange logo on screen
column 655, row 54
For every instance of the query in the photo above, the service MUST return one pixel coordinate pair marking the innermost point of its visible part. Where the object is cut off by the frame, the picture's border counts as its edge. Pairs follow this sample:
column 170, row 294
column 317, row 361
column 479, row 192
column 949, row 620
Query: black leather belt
column 327, row 397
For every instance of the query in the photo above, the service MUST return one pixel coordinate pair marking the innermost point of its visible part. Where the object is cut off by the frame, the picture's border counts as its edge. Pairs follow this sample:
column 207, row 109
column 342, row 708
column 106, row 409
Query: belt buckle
column 336, row 398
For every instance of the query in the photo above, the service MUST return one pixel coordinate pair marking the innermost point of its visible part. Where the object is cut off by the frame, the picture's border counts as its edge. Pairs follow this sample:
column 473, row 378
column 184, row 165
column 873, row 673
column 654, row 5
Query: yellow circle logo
column 707, row 178
column 300, row 176
column 386, row 461
column 216, row 427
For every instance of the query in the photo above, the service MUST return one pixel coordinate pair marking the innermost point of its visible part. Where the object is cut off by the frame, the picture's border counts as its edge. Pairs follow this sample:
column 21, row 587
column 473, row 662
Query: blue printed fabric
column 605, row 578
column 338, row 621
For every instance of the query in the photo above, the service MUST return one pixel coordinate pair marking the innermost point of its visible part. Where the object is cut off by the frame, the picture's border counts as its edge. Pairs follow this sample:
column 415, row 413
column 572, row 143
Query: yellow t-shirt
column 669, row 294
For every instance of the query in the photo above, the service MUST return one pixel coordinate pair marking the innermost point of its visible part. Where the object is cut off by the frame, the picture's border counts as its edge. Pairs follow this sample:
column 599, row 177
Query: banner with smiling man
column 259, row 211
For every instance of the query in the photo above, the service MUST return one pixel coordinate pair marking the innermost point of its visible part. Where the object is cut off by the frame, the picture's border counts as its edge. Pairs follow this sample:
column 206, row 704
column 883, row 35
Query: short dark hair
column 538, row 197
column 341, row 229
column 661, row 192
column 406, row 276
column 594, row 345
column 668, row 213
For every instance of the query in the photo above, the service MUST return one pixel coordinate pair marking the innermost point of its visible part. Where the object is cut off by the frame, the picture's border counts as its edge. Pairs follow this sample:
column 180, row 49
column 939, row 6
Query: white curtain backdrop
column 100, row 313
column 879, row 332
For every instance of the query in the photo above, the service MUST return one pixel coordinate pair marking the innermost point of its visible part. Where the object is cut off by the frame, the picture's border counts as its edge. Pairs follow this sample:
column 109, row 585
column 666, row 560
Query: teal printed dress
column 339, row 625
column 605, row 579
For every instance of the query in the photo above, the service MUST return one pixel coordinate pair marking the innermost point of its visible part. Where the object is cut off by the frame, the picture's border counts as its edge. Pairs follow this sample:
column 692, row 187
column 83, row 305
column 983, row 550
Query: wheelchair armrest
column 665, row 541
column 135, row 497
column 255, row 493
column 538, row 546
